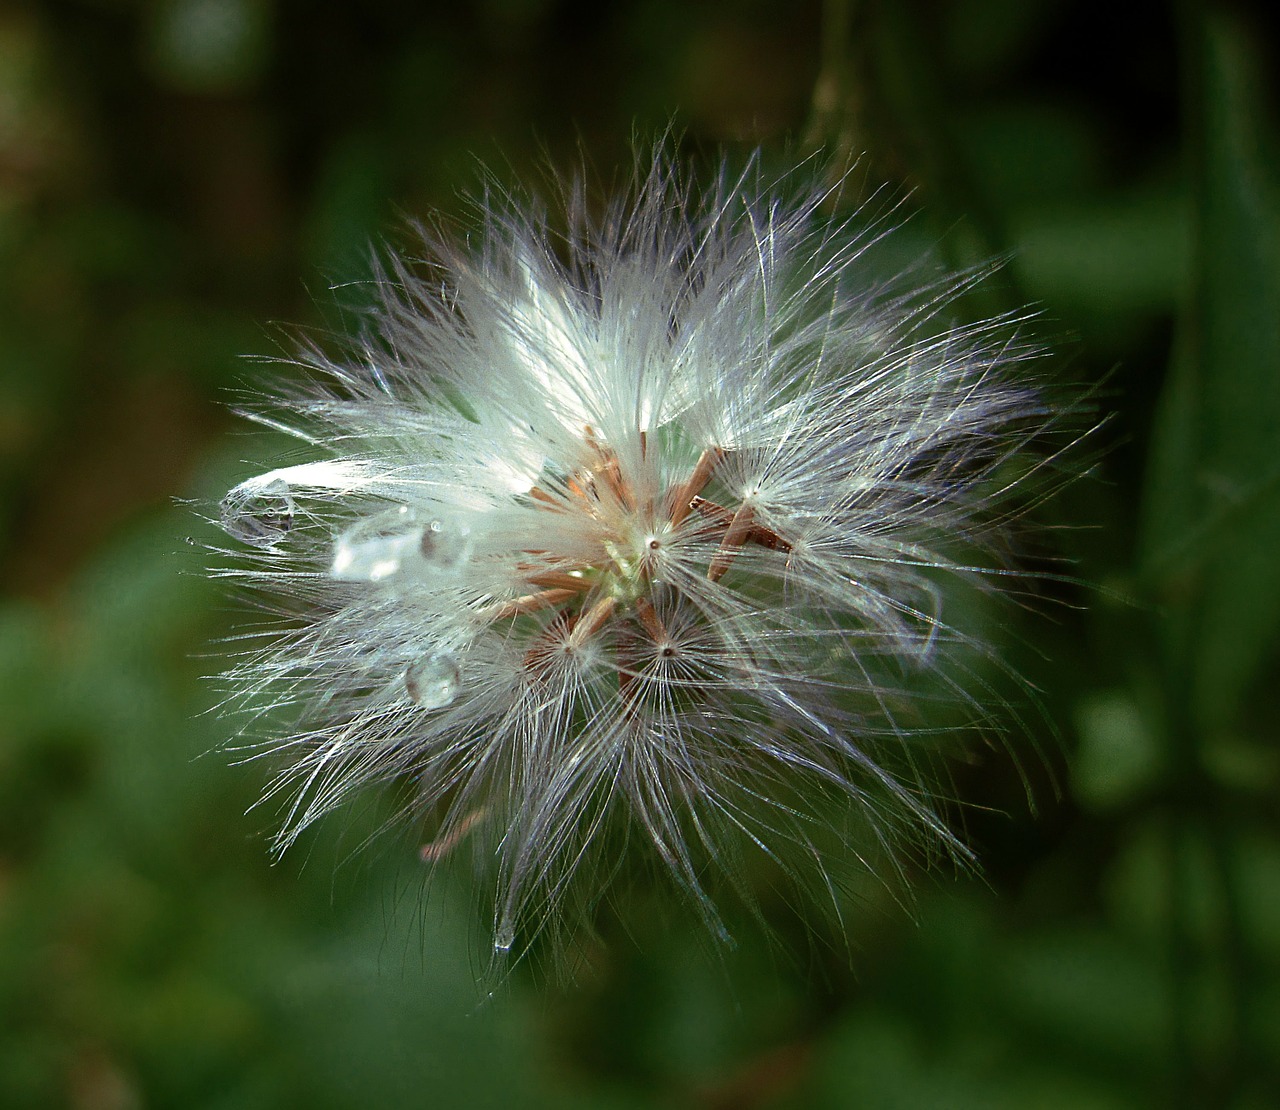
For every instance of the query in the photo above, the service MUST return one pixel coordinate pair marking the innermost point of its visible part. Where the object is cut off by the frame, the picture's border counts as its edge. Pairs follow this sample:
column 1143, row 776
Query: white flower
column 632, row 529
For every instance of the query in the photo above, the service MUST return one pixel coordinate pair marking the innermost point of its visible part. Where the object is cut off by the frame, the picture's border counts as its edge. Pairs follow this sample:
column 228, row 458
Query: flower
column 644, row 527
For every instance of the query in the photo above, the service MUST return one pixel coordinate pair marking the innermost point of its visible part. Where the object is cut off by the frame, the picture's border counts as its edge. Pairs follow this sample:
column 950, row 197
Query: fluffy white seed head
column 631, row 528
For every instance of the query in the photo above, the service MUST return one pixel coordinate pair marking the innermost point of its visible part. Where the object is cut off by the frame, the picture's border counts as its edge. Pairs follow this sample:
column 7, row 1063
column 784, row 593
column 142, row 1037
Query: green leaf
column 1212, row 521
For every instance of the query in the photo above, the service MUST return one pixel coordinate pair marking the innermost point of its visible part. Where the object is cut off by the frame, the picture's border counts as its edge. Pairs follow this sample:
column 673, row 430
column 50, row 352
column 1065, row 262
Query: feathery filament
column 642, row 527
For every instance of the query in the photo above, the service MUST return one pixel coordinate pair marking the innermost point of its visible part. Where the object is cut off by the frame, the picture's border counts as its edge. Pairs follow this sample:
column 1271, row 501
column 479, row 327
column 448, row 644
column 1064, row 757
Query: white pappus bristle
column 631, row 526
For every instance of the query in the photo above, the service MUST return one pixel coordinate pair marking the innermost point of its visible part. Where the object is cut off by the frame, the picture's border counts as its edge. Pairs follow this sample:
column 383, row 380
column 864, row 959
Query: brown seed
column 735, row 536
column 681, row 496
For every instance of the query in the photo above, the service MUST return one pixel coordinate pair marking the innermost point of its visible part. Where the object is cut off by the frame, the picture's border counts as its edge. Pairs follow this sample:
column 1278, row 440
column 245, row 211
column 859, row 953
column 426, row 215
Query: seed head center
column 639, row 535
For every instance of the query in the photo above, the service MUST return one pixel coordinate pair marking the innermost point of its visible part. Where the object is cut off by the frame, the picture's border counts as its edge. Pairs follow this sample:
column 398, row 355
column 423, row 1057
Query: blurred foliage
column 176, row 173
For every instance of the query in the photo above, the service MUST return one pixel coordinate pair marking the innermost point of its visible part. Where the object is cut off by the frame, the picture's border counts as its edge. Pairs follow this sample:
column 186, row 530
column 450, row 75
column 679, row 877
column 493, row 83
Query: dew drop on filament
column 399, row 543
column 376, row 547
column 259, row 514
column 444, row 545
column 433, row 680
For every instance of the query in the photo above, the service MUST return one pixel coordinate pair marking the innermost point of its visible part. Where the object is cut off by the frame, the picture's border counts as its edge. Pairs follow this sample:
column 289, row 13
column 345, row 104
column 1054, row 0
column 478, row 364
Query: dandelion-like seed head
column 633, row 526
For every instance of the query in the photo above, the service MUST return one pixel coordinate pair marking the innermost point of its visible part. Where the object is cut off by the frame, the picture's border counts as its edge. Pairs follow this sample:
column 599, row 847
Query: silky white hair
column 630, row 538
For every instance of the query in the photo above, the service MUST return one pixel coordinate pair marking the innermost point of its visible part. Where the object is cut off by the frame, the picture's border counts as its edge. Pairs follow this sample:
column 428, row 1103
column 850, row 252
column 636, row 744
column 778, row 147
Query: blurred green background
column 177, row 174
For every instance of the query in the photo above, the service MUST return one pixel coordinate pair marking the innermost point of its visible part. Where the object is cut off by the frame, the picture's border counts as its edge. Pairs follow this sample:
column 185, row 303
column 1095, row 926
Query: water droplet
column 434, row 680
column 259, row 514
column 376, row 547
column 398, row 542
column 445, row 544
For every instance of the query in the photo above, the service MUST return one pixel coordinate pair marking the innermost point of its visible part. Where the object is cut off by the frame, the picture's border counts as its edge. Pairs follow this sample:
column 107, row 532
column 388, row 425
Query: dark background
column 176, row 175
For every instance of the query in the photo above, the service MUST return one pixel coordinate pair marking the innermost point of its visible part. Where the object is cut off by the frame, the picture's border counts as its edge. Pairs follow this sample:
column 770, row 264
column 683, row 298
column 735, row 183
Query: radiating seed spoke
column 681, row 497
column 767, row 537
column 559, row 579
column 647, row 615
column 609, row 470
column 717, row 514
column 593, row 620
column 611, row 473
column 735, row 536
column 546, row 499
column 444, row 844
column 759, row 534
column 532, row 603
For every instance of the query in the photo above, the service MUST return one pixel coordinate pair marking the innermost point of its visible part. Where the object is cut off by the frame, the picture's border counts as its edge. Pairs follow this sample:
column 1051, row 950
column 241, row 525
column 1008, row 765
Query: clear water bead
column 434, row 680
column 396, row 543
column 377, row 547
column 445, row 545
column 258, row 513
